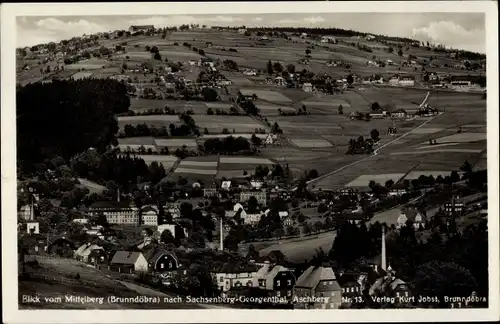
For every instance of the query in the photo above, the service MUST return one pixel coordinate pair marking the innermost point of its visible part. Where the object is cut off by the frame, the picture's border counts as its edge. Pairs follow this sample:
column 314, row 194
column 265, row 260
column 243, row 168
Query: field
column 176, row 142
column 215, row 124
column 135, row 147
column 311, row 143
column 271, row 110
column 364, row 180
column 267, row 95
column 245, row 135
column 463, row 138
column 168, row 161
column 81, row 75
column 154, row 120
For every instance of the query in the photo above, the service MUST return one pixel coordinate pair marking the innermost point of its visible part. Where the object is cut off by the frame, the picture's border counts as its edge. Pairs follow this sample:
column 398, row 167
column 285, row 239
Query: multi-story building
column 260, row 195
column 235, row 276
column 149, row 215
column 318, row 282
column 116, row 212
column 276, row 280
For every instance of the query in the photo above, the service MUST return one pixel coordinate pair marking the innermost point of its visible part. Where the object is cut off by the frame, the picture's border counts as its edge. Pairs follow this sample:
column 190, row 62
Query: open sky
column 457, row 30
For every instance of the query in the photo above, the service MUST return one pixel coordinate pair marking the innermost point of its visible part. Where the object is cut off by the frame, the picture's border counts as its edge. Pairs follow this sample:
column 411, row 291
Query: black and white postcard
column 250, row 162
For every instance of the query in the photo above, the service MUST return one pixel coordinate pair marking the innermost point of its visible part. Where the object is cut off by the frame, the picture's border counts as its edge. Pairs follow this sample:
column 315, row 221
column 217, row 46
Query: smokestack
column 221, row 235
column 384, row 256
column 118, row 195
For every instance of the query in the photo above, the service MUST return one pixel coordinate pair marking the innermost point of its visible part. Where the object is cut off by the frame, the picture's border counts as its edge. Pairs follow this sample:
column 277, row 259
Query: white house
column 303, row 35
column 307, row 87
column 32, row 227
column 407, row 81
column 411, row 215
column 149, row 215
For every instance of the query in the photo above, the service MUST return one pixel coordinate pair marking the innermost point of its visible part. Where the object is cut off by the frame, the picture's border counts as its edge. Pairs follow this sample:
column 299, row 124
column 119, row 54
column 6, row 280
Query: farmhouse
column 329, row 39
column 143, row 28
column 161, row 260
column 303, row 35
column 407, row 81
column 389, row 62
column 464, row 82
column 128, row 262
column 251, row 72
column 369, row 37
column 242, row 31
column 116, row 212
column 27, row 212
column 235, row 275
column 318, row 282
column 91, row 253
column 399, row 113
column 307, row 87
column 275, row 279
column 280, row 81
column 175, row 229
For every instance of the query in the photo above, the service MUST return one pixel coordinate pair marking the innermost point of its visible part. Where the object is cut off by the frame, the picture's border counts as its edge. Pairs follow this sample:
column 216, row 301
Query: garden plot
column 145, row 104
column 81, row 75
column 197, row 164
column 338, row 140
column 364, row 180
column 463, row 138
column 136, row 141
column 215, row 124
column 436, row 146
column 176, row 142
column 211, row 172
column 267, row 95
column 267, row 110
column 244, row 160
column 311, row 143
column 143, row 55
column 327, row 103
column 85, row 66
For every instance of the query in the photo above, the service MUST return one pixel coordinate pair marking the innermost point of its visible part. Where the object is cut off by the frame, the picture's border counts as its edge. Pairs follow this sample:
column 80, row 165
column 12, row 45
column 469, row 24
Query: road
column 375, row 153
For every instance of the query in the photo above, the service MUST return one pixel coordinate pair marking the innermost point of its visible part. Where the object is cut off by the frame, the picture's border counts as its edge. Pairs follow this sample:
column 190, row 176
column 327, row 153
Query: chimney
column 118, row 195
column 384, row 256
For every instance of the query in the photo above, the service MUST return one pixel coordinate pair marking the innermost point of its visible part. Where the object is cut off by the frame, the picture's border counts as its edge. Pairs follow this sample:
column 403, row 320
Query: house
column 27, row 212
column 399, row 113
column 251, row 219
column 288, row 221
column 407, row 81
column 251, row 72
column 321, row 283
column 280, row 81
column 175, row 229
column 242, row 31
column 352, row 285
column 91, row 253
column 161, row 260
column 394, row 80
column 389, row 62
column 235, row 275
column 210, row 192
column 95, row 231
column 411, row 215
column 149, row 215
column 271, row 139
column 369, row 37
column 32, row 227
column 81, row 220
column 276, row 280
column 129, row 262
column 307, row 87
column 35, row 244
column 143, row 28
column 116, row 212
column 303, row 35
column 464, row 82
column 61, row 246
column 256, row 184
column 260, row 195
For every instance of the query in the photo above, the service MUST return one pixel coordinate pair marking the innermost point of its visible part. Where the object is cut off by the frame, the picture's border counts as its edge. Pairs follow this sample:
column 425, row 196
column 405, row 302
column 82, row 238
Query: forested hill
column 63, row 118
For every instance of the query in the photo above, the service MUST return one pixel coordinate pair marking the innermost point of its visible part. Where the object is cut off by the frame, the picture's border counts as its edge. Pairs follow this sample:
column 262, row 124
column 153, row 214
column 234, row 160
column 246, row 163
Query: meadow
column 215, row 124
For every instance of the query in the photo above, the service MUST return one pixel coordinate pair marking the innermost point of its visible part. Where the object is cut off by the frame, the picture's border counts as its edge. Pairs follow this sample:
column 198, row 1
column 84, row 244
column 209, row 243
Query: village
column 234, row 172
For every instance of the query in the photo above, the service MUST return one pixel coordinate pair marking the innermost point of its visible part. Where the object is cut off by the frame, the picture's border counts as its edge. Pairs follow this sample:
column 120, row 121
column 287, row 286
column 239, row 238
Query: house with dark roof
column 61, row 246
column 238, row 275
column 35, row 244
column 91, row 253
column 321, row 284
column 352, row 284
column 129, row 262
column 161, row 260
column 276, row 280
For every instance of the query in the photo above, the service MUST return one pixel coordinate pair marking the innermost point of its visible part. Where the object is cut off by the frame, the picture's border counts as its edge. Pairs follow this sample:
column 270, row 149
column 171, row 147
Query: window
column 333, row 293
column 221, row 279
column 161, row 265
column 406, row 293
column 170, row 265
column 277, row 283
column 343, row 290
column 289, row 282
column 36, row 248
column 278, row 294
column 289, row 293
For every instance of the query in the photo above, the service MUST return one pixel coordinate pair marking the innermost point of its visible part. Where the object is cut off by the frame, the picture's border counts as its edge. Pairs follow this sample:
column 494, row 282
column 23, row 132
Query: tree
column 270, row 67
column 375, row 134
column 209, row 94
column 290, row 68
column 466, row 168
column 341, row 110
column 375, row 106
column 308, row 51
column 157, row 56
column 400, row 52
column 350, row 79
column 390, row 50
column 253, row 205
column 277, row 67
column 389, row 183
column 167, row 237
column 441, row 279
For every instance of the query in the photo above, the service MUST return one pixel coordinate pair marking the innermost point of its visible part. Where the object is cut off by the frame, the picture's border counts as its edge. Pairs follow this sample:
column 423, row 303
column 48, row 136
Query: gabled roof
column 149, row 208
column 125, row 257
column 153, row 255
column 85, row 249
column 237, row 268
column 269, row 272
column 314, row 275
